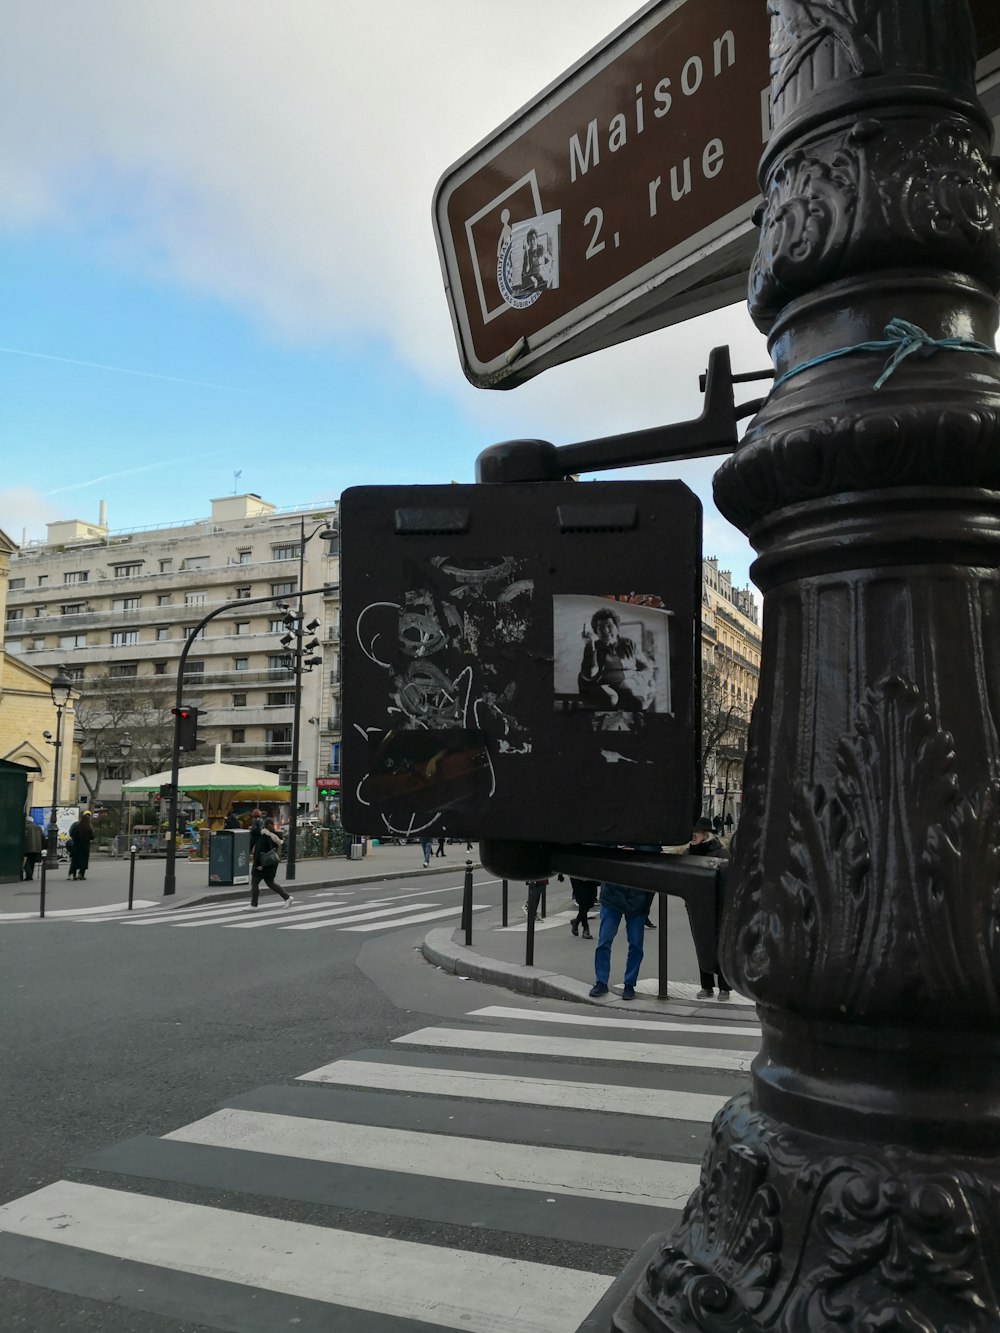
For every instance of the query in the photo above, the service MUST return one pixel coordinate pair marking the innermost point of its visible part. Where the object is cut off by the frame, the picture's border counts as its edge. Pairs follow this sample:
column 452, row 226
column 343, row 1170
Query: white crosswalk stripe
column 489, row 1149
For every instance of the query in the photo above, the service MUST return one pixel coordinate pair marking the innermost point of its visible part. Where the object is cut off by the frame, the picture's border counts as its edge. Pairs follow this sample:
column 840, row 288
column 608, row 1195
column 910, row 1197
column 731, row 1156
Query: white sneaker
column 250, row 907
column 705, row 995
column 288, row 901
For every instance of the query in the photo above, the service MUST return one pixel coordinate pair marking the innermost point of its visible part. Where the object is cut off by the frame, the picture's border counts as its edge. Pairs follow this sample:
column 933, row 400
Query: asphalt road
column 115, row 1032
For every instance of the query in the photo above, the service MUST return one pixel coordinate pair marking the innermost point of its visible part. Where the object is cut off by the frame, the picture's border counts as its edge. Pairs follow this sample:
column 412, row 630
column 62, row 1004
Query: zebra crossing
column 331, row 909
column 401, row 1189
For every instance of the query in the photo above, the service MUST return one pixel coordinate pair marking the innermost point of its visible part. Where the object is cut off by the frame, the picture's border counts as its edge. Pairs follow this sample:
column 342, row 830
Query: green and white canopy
column 216, row 786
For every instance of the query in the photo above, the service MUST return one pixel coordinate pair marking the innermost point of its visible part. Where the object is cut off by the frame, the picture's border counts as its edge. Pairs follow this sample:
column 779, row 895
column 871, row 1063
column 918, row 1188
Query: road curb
column 441, row 949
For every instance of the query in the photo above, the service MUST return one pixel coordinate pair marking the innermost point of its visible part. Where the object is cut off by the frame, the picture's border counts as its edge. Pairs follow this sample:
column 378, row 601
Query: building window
column 159, row 668
column 130, row 571
column 279, row 735
column 288, row 552
column 162, row 632
column 72, row 640
column 241, row 664
column 238, row 735
column 194, row 668
column 240, row 699
column 124, row 638
column 118, row 669
column 78, row 576
column 166, row 566
column 244, row 557
column 280, row 698
column 40, row 611
column 283, row 589
column 14, row 584
column 72, row 609
column 14, row 613
column 162, row 599
column 195, row 562
column 193, row 632
column 243, row 592
column 13, row 646
column 194, row 599
column 42, row 580
column 279, row 662
column 74, row 673
column 126, row 603
column 243, row 627
column 276, row 627
column 116, row 772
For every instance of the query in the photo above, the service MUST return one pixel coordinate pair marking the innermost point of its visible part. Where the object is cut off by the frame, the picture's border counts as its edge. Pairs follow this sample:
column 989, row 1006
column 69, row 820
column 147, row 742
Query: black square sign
column 521, row 661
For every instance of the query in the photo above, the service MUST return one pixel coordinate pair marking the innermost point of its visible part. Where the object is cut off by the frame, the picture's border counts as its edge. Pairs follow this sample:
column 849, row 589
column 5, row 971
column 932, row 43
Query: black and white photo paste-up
column 451, row 692
column 527, row 257
column 611, row 662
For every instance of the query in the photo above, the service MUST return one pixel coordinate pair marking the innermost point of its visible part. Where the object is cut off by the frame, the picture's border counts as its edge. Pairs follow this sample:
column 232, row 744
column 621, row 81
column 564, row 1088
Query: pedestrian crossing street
column 539, row 1148
column 322, row 909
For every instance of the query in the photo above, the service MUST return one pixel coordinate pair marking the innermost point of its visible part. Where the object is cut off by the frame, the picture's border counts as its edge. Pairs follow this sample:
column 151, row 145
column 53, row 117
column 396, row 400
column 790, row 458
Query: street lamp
column 125, row 746
column 293, row 642
column 60, row 688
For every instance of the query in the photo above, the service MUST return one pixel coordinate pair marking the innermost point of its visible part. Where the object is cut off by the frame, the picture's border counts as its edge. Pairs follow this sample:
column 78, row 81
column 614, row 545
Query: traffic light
column 187, row 727
column 166, row 791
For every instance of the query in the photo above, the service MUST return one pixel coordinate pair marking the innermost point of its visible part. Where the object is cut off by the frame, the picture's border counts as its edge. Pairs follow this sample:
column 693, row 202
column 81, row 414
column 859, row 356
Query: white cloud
column 282, row 158
column 24, row 513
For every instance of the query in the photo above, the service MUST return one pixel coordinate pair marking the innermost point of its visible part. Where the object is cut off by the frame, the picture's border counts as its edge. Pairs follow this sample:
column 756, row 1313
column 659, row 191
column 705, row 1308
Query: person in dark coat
column 32, row 847
column 617, row 902
column 705, row 843
column 264, row 864
column 231, row 821
column 585, row 896
column 79, row 838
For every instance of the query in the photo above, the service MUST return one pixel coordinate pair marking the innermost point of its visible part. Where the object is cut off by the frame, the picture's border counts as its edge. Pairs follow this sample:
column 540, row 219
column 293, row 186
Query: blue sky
column 216, row 255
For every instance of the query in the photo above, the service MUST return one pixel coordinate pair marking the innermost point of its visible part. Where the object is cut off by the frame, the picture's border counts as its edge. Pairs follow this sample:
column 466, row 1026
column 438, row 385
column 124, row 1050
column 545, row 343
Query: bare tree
column 723, row 729
column 114, row 706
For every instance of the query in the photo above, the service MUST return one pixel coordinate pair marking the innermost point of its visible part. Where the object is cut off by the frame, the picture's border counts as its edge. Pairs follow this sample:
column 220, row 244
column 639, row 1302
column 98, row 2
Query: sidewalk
column 106, row 885
column 564, row 964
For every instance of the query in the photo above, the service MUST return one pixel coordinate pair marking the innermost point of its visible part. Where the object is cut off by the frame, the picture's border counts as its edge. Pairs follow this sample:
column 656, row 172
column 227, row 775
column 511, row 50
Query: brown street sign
column 618, row 201
column 521, row 661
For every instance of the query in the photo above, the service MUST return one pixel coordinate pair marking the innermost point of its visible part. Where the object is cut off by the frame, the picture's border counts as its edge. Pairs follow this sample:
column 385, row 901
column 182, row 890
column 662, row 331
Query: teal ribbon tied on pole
column 902, row 339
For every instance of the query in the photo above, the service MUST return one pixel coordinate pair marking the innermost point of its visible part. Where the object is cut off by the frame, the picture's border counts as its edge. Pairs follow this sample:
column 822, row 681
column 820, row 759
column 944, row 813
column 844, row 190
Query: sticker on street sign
column 521, row 661
column 620, row 200
column 596, row 204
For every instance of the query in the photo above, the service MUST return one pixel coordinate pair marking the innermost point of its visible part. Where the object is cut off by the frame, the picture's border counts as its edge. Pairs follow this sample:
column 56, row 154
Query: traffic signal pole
column 170, row 869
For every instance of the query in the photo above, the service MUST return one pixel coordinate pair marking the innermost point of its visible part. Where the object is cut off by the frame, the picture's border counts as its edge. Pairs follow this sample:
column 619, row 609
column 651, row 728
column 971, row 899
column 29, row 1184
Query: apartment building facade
column 731, row 647
column 115, row 608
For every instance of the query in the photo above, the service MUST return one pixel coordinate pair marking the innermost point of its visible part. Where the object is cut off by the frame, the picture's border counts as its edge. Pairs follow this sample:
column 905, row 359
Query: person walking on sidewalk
column 440, row 849
column 617, row 902
column 79, row 838
column 427, row 847
column 32, row 847
column 266, row 855
column 585, row 896
column 704, row 842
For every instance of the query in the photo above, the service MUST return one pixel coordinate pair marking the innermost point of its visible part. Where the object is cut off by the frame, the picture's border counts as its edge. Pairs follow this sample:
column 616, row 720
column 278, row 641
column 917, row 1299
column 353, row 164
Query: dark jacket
column 266, row 841
column 630, row 902
column 710, row 847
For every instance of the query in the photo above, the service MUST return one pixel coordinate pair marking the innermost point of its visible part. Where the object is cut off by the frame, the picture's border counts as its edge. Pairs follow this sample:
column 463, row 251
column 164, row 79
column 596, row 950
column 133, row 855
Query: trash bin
column 229, row 856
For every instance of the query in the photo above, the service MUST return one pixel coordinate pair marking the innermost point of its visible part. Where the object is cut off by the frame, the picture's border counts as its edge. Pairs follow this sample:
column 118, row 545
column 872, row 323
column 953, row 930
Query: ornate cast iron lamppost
column 60, row 687
column 857, row 1185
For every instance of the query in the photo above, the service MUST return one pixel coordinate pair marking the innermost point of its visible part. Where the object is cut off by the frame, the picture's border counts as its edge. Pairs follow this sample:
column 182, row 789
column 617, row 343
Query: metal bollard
column 41, row 900
column 467, row 903
column 131, row 876
column 503, row 903
column 661, row 940
column 534, row 890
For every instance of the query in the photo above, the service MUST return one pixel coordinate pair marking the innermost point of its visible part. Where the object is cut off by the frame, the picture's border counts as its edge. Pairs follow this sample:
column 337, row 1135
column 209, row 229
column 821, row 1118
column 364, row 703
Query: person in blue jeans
column 617, row 902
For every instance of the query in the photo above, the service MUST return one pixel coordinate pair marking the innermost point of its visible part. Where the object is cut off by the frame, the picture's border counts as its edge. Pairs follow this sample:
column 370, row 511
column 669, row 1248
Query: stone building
column 116, row 607
column 731, row 644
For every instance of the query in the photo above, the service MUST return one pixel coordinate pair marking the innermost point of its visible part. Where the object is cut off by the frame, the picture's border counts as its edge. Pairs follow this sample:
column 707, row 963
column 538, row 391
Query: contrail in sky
column 133, row 471
column 124, row 370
